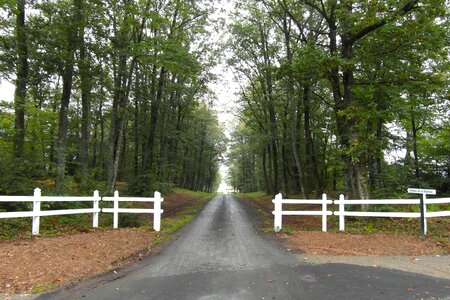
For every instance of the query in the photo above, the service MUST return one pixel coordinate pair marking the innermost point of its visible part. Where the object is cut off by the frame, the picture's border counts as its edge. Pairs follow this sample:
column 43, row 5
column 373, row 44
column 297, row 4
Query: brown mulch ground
column 323, row 243
column 28, row 263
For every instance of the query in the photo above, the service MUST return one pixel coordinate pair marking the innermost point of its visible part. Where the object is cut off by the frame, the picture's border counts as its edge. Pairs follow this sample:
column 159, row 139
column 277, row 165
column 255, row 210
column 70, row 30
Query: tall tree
column 70, row 39
column 20, row 93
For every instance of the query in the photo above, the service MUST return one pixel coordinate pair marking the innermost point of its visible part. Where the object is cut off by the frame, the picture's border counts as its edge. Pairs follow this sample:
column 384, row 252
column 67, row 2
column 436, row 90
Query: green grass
column 42, row 288
column 263, row 205
column 254, row 195
column 194, row 194
column 173, row 223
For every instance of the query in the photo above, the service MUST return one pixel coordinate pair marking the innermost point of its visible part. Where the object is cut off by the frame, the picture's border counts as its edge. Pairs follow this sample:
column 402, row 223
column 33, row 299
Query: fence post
column 278, row 213
column 116, row 210
column 157, row 212
column 96, row 207
column 324, row 212
column 341, row 213
column 424, row 214
column 36, row 211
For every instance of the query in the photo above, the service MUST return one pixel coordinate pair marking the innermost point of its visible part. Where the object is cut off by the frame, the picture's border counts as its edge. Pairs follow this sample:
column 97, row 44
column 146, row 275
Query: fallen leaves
column 69, row 258
column 325, row 243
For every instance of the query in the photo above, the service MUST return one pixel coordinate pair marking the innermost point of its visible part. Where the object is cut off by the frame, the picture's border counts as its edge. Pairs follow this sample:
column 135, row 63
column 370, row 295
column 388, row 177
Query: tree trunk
column 65, row 99
column 21, row 81
column 120, row 103
column 414, row 130
column 313, row 171
column 137, row 121
column 154, row 111
column 86, row 87
column 292, row 111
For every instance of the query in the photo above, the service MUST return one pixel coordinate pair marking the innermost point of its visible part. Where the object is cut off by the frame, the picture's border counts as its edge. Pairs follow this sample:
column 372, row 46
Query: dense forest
column 347, row 96
column 108, row 91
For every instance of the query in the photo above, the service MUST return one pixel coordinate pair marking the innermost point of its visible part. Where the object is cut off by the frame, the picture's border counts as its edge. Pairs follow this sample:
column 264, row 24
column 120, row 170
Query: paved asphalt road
column 220, row 256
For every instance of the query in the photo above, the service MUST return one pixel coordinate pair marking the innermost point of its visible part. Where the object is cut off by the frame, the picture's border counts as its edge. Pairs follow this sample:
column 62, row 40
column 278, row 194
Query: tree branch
column 410, row 5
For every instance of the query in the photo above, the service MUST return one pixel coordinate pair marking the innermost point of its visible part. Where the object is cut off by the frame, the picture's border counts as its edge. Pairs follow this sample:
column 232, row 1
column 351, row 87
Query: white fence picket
column 156, row 210
column 342, row 213
column 37, row 213
column 279, row 212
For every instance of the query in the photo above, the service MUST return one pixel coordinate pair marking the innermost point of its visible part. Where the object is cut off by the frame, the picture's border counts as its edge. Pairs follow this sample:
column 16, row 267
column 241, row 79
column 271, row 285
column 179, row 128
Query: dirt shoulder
column 398, row 252
column 435, row 266
column 39, row 264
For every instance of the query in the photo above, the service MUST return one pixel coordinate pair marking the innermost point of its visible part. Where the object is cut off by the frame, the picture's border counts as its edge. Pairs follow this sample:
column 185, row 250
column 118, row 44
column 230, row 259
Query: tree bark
column 86, row 87
column 292, row 111
column 313, row 171
column 21, row 81
column 65, row 99
column 414, row 130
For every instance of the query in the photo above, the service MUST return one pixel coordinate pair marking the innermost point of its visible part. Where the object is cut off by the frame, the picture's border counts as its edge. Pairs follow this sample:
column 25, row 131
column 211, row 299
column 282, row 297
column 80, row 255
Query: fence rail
column 156, row 210
column 342, row 212
column 279, row 212
column 36, row 213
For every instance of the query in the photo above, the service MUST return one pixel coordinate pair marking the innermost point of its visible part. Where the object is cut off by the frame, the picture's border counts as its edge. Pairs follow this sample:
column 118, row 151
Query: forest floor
column 38, row 264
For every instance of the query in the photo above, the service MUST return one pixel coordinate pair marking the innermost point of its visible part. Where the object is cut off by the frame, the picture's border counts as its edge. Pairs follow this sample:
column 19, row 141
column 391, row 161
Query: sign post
column 424, row 193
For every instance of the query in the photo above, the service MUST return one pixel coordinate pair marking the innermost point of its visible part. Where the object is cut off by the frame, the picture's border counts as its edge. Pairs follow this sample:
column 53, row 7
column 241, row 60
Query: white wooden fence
column 156, row 210
column 37, row 213
column 37, row 199
column 342, row 213
column 279, row 212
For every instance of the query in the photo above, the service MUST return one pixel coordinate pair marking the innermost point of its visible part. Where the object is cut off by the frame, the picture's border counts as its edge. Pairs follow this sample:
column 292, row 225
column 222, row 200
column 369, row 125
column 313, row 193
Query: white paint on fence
column 37, row 213
column 342, row 213
column 36, row 210
column 156, row 210
column 279, row 213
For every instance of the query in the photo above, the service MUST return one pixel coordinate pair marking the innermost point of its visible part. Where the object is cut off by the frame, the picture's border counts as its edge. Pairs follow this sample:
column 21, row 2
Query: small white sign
column 421, row 191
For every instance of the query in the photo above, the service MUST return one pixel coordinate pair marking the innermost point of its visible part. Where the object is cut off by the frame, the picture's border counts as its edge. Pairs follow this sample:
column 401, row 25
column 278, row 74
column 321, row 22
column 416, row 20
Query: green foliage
column 169, row 55
column 347, row 108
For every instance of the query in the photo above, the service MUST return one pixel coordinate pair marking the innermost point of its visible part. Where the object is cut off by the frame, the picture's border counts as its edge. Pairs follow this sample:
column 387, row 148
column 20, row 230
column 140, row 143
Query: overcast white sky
column 6, row 91
column 226, row 87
